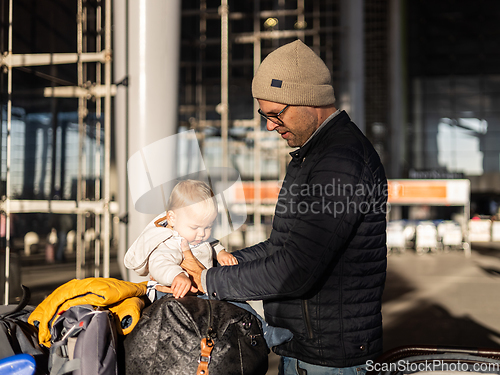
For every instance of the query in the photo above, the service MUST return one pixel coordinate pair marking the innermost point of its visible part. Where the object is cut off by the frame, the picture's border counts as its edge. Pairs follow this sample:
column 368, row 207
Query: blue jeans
column 292, row 366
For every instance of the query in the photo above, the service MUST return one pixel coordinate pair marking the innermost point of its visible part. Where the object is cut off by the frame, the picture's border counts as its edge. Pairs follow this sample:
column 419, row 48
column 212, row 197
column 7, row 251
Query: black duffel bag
column 192, row 336
column 17, row 336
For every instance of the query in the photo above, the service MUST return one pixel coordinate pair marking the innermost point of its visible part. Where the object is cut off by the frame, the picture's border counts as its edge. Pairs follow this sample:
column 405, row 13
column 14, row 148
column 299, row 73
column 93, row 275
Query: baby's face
column 194, row 223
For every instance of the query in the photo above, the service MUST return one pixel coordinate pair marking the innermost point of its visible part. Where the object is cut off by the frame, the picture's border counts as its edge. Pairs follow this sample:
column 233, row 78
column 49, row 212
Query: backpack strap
column 61, row 361
column 69, row 367
column 206, row 349
column 60, row 364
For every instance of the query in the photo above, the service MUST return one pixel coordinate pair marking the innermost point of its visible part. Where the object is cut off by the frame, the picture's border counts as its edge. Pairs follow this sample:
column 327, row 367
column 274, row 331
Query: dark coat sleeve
column 257, row 251
column 319, row 232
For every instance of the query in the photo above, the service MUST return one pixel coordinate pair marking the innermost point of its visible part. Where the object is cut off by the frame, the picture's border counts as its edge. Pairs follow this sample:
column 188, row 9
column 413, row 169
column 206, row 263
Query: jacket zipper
column 307, row 318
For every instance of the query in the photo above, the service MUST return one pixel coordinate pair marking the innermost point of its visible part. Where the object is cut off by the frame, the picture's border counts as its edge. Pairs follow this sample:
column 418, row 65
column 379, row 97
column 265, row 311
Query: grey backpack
column 84, row 342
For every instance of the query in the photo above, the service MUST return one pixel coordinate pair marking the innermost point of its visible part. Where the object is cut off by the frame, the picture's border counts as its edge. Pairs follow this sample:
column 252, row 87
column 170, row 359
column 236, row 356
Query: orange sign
column 405, row 192
column 269, row 191
column 446, row 192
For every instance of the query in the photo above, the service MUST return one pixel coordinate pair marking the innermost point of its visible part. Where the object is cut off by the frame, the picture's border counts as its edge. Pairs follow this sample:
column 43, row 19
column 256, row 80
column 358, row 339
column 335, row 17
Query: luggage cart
column 450, row 235
column 426, row 237
column 409, row 231
column 396, row 240
column 431, row 192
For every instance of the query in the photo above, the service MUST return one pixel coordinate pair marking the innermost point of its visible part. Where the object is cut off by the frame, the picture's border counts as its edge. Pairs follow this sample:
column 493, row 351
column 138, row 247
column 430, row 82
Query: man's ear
column 171, row 218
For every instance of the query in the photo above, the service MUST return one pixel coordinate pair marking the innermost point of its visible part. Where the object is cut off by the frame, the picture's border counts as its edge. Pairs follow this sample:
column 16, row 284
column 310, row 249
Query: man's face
column 299, row 123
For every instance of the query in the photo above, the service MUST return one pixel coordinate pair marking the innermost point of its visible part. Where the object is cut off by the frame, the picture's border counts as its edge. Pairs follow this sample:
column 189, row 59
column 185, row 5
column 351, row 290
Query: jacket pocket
column 307, row 319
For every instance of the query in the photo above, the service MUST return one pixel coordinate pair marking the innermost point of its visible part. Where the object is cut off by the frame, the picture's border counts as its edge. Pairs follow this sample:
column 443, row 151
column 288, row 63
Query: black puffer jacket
column 322, row 271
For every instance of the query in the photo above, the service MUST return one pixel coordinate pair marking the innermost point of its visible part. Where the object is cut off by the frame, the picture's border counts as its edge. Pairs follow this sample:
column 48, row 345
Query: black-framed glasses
column 274, row 118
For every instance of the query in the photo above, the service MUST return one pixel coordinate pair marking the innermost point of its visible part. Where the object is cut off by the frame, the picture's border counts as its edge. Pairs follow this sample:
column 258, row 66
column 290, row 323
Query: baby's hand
column 226, row 259
column 181, row 285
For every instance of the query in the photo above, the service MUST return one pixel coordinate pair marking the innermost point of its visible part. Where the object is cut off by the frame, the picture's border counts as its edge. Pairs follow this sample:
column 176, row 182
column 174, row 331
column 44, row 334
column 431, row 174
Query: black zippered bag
column 17, row 336
column 192, row 335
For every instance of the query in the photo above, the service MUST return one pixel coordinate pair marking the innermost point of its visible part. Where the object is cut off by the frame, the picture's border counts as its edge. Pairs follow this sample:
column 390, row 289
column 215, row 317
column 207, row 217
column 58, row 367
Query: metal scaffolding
column 93, row 212
column 213, row 96
column 257, row 31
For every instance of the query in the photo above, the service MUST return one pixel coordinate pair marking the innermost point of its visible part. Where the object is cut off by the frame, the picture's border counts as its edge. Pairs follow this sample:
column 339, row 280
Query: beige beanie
column 293, row 74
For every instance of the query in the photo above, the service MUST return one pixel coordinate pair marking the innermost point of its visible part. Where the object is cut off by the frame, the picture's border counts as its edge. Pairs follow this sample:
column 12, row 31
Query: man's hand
column 192, row 266
column 181, row 285
column 161, row 288
column 226, row 259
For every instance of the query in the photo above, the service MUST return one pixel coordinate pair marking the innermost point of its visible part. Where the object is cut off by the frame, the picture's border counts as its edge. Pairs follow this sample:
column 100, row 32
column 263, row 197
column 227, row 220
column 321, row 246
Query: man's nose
column 271, row 125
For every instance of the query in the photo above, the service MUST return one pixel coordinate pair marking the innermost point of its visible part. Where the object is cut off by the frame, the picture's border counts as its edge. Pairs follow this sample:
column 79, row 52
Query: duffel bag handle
column 206, row 350
column 5, row 312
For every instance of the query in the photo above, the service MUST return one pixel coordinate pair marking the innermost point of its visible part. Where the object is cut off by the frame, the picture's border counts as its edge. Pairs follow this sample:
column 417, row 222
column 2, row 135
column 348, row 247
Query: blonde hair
column 188, row 192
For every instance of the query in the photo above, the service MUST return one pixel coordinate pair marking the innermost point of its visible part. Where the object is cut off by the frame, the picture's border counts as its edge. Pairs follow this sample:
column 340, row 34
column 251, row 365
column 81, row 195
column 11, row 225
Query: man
column 322, row 271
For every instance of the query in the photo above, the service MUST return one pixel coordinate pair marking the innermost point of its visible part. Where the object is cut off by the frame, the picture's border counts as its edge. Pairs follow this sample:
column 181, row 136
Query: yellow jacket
column 122, row 298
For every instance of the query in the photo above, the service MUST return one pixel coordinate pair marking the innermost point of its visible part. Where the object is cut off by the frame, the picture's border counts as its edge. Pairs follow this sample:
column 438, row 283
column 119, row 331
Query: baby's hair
column 188, row 192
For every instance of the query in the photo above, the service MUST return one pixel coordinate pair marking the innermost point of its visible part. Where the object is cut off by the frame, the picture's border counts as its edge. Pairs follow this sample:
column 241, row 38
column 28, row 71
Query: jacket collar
column 319, row 135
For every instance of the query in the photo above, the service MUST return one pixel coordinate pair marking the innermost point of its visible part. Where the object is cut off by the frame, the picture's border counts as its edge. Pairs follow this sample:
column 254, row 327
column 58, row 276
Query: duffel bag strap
column 6, row 311
column 206, row 350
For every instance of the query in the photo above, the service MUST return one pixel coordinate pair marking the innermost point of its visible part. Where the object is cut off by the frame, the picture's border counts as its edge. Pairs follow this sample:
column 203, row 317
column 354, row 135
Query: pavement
column 443, row 298
column 434, row 298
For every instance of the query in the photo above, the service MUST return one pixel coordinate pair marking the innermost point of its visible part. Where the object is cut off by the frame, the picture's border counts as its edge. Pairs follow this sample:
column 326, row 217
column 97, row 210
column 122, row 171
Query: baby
column 190, row 214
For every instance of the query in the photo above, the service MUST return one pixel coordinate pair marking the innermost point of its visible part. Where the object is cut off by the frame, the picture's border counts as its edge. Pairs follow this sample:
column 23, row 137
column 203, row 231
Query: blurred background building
column 85, row 84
